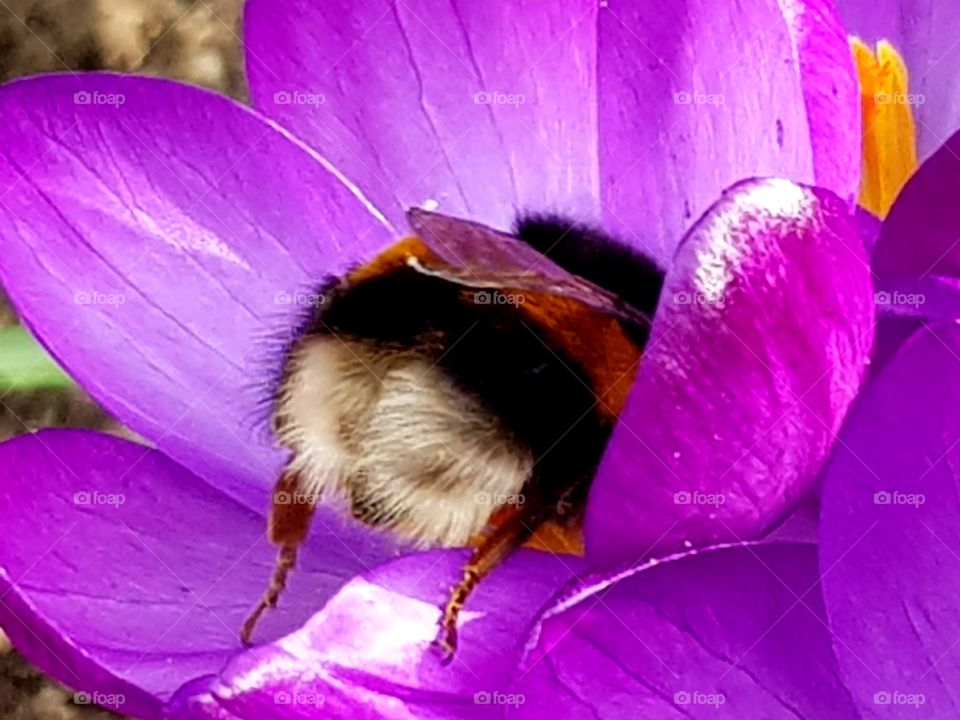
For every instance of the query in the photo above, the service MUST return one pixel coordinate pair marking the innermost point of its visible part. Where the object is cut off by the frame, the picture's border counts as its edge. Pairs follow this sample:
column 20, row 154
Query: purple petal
column 892, row 333
column 389, row 93
column 890, row 537
column 930, row 297
column 367, row 654
column 925, row 33
column 920, row 235
column 757, row 350
column 121, row 572
column 802, row 524
column 153, row 236
column 676, row 78
column 483, row 108
column 831, row 93
column 916, row 257
column 735, row 632
column 194, row 701
column 896, row 326
column 868, row 225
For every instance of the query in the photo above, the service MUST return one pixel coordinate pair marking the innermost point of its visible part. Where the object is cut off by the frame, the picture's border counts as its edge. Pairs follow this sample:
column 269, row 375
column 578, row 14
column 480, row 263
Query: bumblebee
column 460, row 389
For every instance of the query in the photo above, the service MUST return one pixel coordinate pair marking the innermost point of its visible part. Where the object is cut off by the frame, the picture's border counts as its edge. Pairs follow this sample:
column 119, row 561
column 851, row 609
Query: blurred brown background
column 194, row 41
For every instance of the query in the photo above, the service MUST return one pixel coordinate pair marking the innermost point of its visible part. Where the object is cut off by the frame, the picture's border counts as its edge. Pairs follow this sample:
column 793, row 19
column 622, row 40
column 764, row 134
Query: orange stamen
column 889, row 131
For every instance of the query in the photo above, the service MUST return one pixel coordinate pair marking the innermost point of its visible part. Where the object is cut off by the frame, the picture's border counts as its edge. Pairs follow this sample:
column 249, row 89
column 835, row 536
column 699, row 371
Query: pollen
column 557, row 538
column 889, row 130
column 552, row 536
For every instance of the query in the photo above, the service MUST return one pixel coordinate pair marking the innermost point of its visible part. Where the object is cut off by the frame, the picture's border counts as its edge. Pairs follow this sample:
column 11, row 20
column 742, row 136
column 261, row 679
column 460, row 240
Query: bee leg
column 290, row 516
column 491, row 552
column 286, row 559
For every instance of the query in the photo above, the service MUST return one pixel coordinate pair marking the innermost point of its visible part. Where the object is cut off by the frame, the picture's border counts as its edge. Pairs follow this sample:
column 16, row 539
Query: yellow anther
column 889, row 132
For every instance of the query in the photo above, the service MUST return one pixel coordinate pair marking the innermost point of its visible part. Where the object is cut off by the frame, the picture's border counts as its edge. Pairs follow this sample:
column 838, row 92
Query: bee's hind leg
column 492, row 550
column 290, row 516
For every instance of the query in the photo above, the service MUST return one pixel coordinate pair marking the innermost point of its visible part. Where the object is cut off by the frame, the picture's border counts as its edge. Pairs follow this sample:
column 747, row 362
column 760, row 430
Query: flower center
column 889, row 131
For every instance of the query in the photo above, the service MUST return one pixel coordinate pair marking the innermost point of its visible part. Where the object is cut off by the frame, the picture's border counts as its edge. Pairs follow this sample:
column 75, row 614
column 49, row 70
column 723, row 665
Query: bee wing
column 476, row 256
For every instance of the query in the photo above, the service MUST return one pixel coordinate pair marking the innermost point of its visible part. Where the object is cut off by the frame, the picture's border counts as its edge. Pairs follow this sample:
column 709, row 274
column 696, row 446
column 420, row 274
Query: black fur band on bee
column 584, row 251
column 425, row 406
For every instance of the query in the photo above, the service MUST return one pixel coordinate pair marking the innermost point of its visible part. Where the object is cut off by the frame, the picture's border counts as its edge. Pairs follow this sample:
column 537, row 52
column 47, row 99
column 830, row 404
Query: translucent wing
column 476, row 256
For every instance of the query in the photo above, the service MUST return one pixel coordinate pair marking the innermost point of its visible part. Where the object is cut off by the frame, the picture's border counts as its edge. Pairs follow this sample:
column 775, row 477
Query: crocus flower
column 153, row 236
